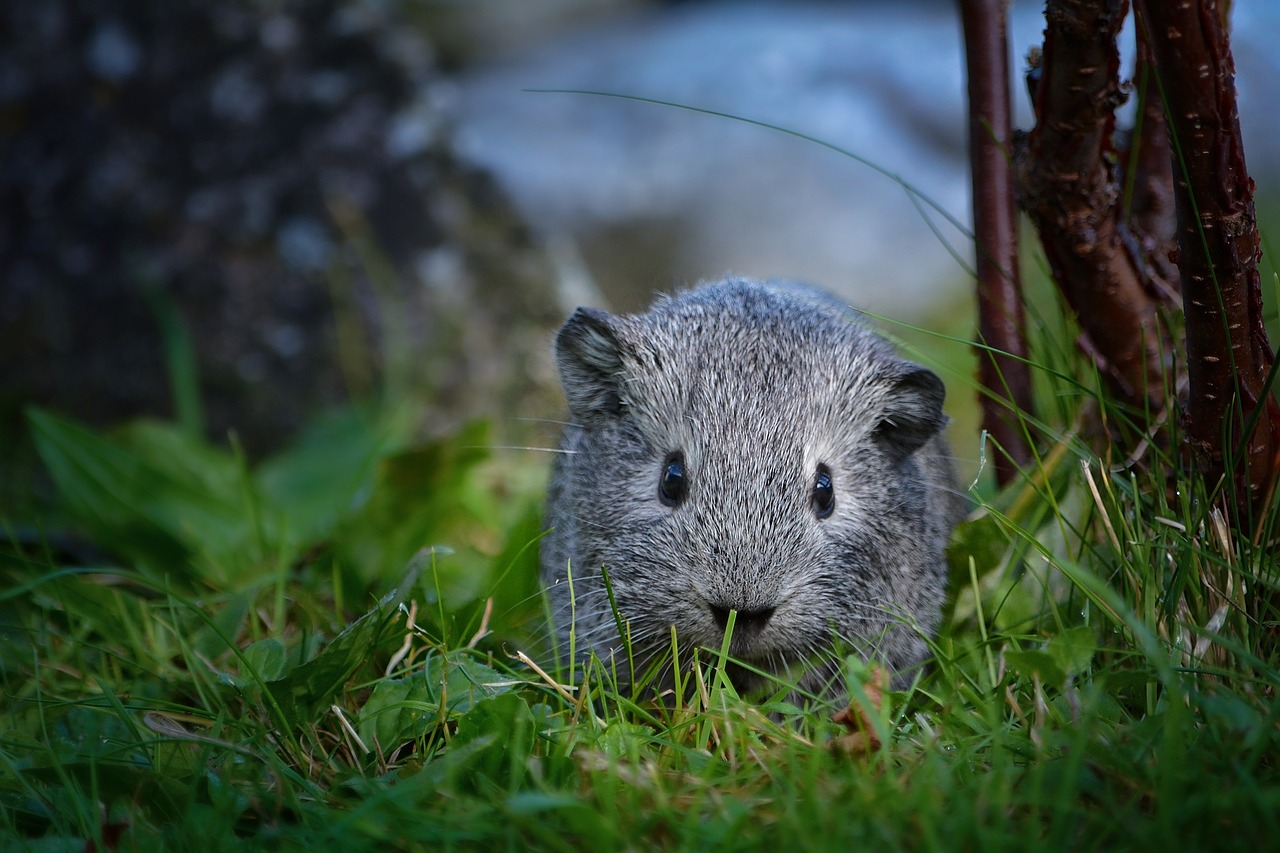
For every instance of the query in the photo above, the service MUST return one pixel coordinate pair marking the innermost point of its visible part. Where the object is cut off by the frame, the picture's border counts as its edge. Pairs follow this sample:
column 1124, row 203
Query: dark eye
column 674, row 481
column 823, row 500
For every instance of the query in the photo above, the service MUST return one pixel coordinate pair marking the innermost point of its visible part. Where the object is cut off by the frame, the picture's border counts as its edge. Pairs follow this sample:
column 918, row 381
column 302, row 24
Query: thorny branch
column 1123, row 238
column 1068, row 184
column 1229, row 406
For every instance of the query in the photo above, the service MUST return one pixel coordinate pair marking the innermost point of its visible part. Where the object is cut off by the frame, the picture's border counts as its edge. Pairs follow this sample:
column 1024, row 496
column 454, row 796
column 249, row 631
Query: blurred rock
column 275, row 177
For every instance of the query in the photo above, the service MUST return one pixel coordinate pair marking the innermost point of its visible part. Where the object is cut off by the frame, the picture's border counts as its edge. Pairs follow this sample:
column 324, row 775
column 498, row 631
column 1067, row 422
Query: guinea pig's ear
column 913, row 411
column 589, row 355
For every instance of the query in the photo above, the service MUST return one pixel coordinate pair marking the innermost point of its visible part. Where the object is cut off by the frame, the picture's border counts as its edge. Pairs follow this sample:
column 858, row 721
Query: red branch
column 1002, row 326
column 1151, row 216
column 1228, row 355
column 1067, row 184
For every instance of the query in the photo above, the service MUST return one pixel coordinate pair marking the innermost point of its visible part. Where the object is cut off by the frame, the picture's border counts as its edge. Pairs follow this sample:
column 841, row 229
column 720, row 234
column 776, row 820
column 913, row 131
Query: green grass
column 323, row 649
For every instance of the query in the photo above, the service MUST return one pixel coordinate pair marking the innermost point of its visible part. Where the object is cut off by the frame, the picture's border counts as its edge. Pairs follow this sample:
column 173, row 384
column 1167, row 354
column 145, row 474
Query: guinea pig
column 751, row 447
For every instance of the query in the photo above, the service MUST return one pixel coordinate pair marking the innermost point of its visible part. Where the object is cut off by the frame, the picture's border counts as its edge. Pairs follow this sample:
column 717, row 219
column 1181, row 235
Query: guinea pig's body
column 751, row 447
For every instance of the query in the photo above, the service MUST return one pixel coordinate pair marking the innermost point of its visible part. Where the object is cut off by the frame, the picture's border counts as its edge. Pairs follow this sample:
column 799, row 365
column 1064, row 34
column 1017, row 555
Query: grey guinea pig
column 753, row 447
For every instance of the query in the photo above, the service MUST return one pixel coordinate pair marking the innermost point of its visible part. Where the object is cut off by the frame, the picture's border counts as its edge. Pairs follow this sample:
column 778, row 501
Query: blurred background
column 240, row 214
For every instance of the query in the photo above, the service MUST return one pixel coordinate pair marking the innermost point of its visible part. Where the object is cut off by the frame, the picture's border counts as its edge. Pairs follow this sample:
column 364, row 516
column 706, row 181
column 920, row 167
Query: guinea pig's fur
column 753, row 447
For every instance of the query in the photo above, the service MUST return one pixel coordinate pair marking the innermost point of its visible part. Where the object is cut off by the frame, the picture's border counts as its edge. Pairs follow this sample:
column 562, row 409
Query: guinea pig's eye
column 674, row 481
column 823, row 500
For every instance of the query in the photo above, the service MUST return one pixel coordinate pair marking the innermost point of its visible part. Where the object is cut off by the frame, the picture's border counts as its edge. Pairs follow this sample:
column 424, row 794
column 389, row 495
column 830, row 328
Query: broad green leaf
column 412, row 505
column 311, row 686
column 266, row 658
column 1036, row 663
column 977, row 547
column 205, row 497
column 624, row 741
column 395, row 713
column 506, row 720
column 153, row 494
column 515, row 590
column 1073, row 649
column 315, row 482
column 211, row 640
column 1014, row 602
column 94, row 601
column 983, row 540
column 184, row 457
column 156, row 495
column 449, row 685
column 101, row 485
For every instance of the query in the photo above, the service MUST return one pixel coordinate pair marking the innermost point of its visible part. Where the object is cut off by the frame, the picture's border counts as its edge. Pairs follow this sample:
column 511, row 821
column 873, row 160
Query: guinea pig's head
column 751, row 453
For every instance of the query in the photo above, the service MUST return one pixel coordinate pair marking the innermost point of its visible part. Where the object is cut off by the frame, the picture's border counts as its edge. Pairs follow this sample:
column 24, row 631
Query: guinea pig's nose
column 748, row 620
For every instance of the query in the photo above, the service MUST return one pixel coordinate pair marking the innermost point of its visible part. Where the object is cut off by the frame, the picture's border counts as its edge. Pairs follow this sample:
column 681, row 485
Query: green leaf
column 316, row 481
column 983, row 540
column 508, row 724
column 312, row 686
column 266, row 658
column 448, row 686
column 100, row 484
column 412, row 503
column 1036, row 663
column 515, row 591
column 624, row 741
column 211, row 640
column 153, row 494
column 394, row 713
column 1073, row 649
column 169, row 502
column 95, row 602
column 183, row 457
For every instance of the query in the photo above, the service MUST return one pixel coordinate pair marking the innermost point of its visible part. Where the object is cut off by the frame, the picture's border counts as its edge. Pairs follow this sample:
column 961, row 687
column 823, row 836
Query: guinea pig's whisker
column 527, row 447
column 551, row 421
